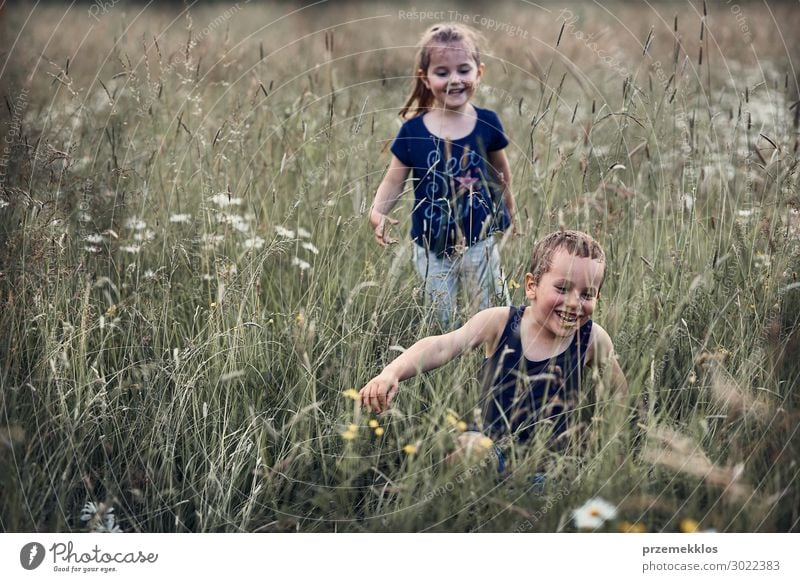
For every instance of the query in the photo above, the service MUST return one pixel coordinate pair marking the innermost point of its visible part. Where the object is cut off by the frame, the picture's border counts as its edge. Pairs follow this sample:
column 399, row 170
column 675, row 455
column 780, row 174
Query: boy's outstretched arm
column 430, row 353
column 389, row 192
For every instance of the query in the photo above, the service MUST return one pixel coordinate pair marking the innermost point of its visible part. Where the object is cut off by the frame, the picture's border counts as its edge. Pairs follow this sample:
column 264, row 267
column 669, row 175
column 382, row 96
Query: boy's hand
column 380, row 225
column 379, row 392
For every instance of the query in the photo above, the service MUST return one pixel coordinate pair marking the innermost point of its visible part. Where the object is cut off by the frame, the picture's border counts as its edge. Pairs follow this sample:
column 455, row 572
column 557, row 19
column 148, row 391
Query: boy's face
column 566, row 294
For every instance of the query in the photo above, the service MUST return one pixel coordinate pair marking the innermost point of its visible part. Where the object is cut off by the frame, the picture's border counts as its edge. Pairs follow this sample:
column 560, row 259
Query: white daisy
column 594, row 513
column 94, row 239
column 310, row 248
column 254, row 243
column 300, row 263
column 222, row 200
column 135, row 224
column 284, row 232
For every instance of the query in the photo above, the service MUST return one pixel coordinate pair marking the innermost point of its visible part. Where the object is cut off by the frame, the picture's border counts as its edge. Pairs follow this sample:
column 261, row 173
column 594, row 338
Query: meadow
column 190, row 292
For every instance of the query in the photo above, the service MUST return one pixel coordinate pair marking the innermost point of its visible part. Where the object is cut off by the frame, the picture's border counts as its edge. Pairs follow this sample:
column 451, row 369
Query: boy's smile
column 566, row 295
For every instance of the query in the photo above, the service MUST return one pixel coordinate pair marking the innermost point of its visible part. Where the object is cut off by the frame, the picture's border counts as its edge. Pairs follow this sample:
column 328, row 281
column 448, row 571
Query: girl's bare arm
column 389, row 193
column 499, row 161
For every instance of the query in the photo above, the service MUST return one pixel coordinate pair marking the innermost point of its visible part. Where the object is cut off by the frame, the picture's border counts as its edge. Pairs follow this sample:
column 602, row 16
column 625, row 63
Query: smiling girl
column 462, row 181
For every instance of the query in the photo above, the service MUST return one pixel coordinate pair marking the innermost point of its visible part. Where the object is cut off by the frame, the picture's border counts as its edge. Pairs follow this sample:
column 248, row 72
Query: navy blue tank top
column 524, row 395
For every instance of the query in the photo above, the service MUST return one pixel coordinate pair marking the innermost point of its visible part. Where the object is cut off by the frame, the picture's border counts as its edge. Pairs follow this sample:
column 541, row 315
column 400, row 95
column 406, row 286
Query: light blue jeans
column 477, row 272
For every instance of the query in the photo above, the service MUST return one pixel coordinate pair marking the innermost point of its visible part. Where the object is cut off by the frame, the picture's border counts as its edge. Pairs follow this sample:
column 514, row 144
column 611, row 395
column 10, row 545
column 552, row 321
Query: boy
column 535, row 354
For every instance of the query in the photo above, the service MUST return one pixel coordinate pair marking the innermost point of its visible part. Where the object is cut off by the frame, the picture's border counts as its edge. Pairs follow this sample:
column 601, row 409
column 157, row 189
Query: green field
column 189, row 285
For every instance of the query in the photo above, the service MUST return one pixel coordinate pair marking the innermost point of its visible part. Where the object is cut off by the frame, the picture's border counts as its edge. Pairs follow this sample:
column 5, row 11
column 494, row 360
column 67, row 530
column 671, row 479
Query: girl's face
column 567, row 293
column 452, row 76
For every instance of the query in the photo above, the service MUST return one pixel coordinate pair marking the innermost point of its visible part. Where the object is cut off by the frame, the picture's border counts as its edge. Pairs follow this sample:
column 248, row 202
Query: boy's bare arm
column 389, row 192
column 605, row 360
column 430, row 353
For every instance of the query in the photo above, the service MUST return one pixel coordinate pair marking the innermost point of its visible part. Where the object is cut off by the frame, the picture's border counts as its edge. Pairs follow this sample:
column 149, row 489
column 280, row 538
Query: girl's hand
column 379, row 392
column 380, row 225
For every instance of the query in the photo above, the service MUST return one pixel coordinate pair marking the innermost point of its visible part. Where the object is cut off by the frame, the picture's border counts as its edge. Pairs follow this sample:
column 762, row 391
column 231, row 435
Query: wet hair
column 437, row 36
column 575, row 242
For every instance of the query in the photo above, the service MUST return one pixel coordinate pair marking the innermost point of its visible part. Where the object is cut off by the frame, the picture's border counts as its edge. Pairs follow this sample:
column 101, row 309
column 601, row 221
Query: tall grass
column 189, row 287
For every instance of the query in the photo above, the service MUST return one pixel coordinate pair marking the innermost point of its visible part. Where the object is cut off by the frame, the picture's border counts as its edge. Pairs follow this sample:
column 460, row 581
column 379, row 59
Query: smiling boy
column 535, row 354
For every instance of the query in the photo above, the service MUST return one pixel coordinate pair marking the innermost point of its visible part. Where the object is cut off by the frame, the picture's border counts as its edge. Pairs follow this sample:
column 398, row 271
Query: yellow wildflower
column 461, row 425
column 301, row 318
column 351, row 393
column 451, row 419
column 348, row 435
column 111, row 311
column 689, row 525
column 373, row 423
column 512, row 284
column 410, row 449
column 352, row 427
column 378, row 431
column 486, row 442
column 628, row 527
column 213, row 304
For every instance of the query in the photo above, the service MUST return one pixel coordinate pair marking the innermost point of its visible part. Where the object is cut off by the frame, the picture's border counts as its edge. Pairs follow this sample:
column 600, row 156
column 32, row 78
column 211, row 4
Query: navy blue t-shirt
column 456, row 196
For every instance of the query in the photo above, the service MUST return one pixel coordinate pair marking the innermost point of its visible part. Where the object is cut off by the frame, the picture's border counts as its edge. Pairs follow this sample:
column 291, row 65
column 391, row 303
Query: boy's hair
column 575, row 242
column 437, row 36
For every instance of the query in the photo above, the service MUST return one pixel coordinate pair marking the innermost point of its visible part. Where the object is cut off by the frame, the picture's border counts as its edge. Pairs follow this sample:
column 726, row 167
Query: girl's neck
column 467, row 110
column 451, row 124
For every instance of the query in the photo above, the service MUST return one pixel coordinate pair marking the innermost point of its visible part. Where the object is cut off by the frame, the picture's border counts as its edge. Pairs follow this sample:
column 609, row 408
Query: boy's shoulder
column 601, row 347
column 486, row 327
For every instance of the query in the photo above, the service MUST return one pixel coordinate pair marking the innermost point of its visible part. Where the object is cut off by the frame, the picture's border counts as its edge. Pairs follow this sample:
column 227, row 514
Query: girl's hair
column 575, row 242
column 437, row 36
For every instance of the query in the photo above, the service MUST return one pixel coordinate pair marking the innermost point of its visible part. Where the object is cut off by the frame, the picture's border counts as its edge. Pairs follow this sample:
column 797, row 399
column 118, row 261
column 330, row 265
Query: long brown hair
column 437, row 36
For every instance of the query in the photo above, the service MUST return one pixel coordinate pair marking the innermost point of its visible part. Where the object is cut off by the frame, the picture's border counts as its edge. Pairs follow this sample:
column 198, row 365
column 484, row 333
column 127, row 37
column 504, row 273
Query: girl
column 462, row 182
column 535, row 354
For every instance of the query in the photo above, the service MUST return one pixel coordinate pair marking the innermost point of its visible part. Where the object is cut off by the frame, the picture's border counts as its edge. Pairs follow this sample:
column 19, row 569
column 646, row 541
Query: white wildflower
column 746, row 212
column 144, row 236
column 284, row 232
column 222, row 200
column 300, row 263
column 149, row 274
column 255, row 242
column 180, row 218
column 235, row 221
column 594, row 513
column 92, row 249
column 211, row 240
column 94, row 239
column 688, row 201
column 3, row 203
column 761, row 260
column 135, row 224
column 310, row 248
column 132, row 249
column 227, row 270
column 303, row 233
